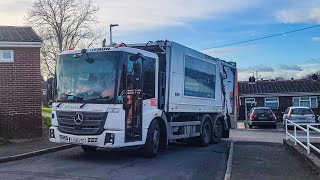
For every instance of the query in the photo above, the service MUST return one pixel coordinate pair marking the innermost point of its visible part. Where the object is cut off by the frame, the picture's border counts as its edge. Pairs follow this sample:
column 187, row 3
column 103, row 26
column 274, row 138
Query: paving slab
column 256, row 160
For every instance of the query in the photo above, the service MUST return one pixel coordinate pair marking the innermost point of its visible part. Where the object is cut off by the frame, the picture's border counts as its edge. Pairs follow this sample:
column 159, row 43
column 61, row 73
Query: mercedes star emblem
column 78, row 118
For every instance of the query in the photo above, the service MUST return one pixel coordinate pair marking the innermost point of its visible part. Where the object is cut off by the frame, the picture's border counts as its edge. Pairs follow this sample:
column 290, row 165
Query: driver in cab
column 93, row 85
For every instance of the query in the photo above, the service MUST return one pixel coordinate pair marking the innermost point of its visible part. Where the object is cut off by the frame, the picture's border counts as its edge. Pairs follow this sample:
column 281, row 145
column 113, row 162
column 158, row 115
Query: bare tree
column 313, row 76
column 63, row 24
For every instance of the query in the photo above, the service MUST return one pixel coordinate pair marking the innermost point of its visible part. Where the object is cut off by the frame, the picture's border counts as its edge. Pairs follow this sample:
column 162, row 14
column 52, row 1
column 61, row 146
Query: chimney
column 252, row 79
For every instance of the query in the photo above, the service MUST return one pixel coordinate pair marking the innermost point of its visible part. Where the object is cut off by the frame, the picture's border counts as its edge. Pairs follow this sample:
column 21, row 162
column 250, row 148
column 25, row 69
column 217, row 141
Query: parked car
column 299, row 115
column 262, row 116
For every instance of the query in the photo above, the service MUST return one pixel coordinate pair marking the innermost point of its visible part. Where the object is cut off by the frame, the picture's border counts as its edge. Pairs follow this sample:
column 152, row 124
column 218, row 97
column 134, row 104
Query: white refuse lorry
column 145, row 95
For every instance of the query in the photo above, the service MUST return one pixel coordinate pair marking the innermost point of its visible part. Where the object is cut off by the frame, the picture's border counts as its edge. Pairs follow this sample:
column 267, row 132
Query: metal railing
column 309, row 126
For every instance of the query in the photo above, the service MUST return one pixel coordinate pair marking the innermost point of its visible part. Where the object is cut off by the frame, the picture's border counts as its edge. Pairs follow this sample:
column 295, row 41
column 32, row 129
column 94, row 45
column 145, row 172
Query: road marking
column 227, row 175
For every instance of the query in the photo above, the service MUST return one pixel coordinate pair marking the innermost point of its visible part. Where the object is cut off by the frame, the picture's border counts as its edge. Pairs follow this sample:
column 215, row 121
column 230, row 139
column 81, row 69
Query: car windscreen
column 301, row 111
column 262, row 111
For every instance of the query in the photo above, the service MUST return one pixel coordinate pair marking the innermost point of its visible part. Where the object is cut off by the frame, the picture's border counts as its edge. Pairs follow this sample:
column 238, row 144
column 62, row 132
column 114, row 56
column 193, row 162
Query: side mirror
column 137, row 68
column 88, row 59
column 137, row 56
column 125, row 103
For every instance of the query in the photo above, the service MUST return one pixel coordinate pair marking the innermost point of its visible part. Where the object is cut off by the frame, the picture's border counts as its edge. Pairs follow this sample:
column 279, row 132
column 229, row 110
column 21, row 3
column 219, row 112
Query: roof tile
column 18, row 34
column 264, row 87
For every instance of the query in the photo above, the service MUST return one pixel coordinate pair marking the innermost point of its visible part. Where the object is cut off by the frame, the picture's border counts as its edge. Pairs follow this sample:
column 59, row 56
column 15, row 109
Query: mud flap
column 226, row 133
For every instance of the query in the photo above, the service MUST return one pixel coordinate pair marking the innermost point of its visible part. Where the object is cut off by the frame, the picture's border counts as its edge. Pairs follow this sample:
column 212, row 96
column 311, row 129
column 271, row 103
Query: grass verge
column 47, row 110
column 46, row 118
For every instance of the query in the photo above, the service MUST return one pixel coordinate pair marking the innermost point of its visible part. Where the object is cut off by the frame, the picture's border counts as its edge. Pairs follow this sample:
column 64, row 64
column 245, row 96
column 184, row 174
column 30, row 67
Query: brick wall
column 20, row 95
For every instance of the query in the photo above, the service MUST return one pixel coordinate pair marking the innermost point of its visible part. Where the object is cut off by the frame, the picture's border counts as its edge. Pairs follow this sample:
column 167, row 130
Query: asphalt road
column 177, row 162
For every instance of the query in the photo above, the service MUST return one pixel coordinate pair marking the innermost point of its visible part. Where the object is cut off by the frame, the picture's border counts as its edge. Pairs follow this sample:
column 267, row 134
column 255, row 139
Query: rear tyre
column 274, row 126
column 217, row 131
column 250, row 126
column 151, row 147
column 89, row 148
column 205, row 137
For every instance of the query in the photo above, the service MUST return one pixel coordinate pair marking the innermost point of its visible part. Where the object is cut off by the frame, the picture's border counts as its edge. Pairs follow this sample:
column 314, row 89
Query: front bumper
column 108, row 138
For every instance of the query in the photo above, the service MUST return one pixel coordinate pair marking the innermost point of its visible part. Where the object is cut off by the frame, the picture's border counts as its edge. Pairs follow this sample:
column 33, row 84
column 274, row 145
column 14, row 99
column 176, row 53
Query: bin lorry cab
column 145, row 95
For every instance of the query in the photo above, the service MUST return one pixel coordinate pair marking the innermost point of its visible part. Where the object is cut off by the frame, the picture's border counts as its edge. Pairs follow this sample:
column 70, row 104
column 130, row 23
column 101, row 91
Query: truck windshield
column 82, row 80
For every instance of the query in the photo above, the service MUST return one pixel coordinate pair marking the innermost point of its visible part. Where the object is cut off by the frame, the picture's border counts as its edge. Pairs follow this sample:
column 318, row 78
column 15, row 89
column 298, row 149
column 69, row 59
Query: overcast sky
column 203, row 24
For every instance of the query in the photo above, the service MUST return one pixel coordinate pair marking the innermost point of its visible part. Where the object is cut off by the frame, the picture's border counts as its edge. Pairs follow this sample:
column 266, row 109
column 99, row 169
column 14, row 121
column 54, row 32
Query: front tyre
column 89, row 148
column 151, row 147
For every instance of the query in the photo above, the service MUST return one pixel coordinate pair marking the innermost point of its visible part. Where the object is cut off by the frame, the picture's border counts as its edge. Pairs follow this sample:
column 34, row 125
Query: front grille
column 93, row 123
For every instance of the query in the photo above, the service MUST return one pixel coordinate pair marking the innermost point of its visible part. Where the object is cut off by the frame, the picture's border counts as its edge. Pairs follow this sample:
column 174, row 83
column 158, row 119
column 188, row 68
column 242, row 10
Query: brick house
column 279, row 95
column 20, row 83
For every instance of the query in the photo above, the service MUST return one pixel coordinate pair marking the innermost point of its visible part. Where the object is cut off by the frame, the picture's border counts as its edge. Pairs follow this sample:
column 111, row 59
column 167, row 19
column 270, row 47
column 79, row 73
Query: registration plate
column 262, row 117
column 77, row 140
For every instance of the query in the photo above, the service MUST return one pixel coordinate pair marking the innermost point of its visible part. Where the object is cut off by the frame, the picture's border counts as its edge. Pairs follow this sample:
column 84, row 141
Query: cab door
column 134, row 104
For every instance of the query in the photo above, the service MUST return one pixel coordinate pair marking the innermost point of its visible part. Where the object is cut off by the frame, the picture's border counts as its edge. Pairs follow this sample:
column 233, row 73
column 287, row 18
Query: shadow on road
column 179, row 161
column 122, row 155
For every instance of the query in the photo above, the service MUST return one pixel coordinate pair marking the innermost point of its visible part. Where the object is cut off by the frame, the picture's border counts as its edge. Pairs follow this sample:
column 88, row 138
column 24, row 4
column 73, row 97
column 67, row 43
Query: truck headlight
column 51, row 134
column 109, row 139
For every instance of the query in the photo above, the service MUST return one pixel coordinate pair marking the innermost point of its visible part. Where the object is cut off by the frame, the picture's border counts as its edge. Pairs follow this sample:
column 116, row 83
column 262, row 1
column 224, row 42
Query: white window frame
column 276, row 99
column 6, row 60
column 309, row 97
column 250, row 100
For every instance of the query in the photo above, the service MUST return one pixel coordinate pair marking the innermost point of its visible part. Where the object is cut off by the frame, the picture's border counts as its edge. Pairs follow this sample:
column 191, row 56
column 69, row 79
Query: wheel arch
column 163, row 132
column 164, row 129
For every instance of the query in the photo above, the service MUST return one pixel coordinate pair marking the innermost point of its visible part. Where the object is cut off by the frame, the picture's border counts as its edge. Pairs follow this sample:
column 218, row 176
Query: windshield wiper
column 59, row 104
column 67, row 95
column 96, row 98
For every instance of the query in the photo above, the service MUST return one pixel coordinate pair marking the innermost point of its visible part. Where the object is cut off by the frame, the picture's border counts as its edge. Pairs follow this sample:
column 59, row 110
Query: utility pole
column 112, row 25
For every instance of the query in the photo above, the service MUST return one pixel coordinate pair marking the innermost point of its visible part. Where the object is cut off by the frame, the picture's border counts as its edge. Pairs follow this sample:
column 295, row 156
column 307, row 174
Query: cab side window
column 149, row 75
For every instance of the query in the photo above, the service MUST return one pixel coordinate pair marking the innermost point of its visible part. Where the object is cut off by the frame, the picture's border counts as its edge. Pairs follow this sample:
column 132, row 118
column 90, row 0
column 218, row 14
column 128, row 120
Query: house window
column 6, row 56
column 200, row 78
column 311, row 102
column 250, row 100
column 44, row 92
column 272, row 103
